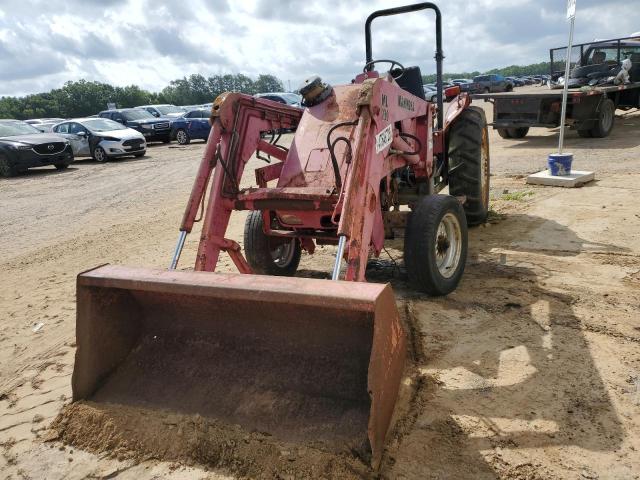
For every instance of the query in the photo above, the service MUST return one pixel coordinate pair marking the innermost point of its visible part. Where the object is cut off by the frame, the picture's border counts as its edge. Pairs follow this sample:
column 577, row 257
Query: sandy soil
column 530, row 370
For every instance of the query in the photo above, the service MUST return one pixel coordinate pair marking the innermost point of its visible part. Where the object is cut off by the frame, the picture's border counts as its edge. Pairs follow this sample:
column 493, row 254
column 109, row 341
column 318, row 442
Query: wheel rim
column 283, row 254
column 448, row 245
column 607, row 119
column 99, row 154
column 182, row 137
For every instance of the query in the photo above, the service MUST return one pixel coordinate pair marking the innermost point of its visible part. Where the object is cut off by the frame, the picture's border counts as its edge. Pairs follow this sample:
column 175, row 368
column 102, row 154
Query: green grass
column 517, row 196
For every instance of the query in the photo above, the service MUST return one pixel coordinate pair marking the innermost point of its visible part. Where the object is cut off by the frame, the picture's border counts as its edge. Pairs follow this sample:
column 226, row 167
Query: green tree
column 83, row 98
column 11, row 107
column 268, row 83
column 131, row 96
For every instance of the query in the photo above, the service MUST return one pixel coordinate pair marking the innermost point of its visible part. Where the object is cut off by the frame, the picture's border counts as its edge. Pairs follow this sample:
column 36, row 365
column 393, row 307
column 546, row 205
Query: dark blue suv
column 194, row 124
column 154, row 129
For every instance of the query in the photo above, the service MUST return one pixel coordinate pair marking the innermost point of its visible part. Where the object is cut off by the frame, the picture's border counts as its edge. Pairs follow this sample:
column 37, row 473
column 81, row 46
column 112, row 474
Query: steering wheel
column 392, row 62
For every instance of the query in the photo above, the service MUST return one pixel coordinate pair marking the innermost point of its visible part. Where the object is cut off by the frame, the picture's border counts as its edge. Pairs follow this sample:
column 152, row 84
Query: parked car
column 164, row 110
column 445, row 85
column 492, row 83
column 194, row 124
column 428, row 87
column 154, row 129
column 465, row 84
column 44, row 124
column 101, row 138
column 22, row 146
column 516, row 81
column 430, row 92
column 291, row 99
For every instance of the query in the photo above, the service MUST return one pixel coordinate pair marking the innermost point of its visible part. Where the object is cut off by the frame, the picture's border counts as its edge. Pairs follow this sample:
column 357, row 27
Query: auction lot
column 530, row 370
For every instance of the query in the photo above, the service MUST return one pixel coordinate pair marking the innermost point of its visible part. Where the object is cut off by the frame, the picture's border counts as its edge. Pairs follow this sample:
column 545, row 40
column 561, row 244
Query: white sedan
column 101, row 138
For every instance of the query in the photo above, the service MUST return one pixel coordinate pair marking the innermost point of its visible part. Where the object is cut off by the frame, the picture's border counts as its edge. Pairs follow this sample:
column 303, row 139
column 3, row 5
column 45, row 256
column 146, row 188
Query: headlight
column 111, row 139
column 24, row 147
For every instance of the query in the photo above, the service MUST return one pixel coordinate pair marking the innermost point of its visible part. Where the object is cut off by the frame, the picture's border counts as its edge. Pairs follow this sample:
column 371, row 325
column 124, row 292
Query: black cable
column 234, row 182
column 331, row 145
column 415, row 139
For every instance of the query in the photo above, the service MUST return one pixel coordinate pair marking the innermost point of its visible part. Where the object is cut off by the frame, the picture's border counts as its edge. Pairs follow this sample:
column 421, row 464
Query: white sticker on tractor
column 384, row 138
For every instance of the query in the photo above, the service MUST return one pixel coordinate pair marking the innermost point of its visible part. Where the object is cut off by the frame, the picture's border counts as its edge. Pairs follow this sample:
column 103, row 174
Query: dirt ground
column 530, row 370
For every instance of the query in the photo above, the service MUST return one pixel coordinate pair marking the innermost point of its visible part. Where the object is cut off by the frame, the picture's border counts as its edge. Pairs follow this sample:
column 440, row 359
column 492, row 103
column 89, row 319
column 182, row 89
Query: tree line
column 81, row 98
column 541, row 68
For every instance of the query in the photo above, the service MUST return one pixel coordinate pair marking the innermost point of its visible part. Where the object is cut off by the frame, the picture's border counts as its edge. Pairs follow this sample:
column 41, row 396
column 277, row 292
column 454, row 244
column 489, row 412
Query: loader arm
column 237, row 122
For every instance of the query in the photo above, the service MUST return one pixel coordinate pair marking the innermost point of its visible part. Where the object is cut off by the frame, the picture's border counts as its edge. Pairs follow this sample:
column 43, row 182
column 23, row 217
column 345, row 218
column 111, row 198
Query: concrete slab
column 575, row 179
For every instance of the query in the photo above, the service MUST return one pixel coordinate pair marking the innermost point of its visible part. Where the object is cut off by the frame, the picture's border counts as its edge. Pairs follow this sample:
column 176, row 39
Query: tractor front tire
column 468, row 147
column 269, row 255
column 435, row 244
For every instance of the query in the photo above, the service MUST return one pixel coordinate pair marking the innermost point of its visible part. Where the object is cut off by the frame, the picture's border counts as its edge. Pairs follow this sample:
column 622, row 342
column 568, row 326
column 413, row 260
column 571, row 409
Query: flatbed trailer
column 590, row 110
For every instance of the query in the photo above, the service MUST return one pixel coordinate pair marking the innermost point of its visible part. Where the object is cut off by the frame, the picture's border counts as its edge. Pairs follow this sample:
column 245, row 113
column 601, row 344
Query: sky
column 151, row 42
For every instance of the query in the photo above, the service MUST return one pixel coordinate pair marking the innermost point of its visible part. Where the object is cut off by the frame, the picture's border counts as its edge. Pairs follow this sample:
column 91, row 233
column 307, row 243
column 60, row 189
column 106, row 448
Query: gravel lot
column 530, row 370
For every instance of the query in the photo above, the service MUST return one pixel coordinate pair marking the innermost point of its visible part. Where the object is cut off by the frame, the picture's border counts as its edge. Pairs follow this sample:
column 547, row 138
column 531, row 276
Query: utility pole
column 571, row 14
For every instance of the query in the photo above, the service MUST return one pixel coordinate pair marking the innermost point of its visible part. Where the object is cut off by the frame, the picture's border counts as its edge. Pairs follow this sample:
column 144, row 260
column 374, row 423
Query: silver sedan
column 101, row 138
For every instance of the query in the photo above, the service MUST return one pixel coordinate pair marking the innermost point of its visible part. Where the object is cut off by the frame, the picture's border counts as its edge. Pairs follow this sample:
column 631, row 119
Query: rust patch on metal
column 306, row 360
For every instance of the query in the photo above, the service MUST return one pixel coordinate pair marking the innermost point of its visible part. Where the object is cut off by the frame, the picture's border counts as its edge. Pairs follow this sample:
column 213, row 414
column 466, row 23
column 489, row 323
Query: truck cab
column 492, row 83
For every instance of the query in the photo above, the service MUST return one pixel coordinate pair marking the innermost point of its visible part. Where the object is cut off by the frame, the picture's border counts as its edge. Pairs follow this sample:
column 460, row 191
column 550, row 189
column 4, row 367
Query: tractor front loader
column 304, row 359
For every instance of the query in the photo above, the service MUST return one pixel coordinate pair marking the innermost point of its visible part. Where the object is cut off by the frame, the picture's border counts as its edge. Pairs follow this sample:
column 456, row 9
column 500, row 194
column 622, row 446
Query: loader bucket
column 305, row 360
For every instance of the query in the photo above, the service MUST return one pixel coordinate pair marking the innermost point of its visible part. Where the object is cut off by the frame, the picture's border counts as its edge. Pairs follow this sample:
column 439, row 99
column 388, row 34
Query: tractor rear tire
column 468, row 147
column 435, row 244
column 269, row 255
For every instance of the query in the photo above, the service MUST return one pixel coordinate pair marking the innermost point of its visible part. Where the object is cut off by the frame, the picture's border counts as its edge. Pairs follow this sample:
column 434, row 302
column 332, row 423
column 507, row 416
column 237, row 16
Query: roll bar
column 439, row 55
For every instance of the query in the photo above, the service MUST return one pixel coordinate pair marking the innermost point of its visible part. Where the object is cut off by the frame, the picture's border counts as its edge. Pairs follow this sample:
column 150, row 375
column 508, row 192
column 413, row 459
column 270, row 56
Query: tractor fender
column 456, row 107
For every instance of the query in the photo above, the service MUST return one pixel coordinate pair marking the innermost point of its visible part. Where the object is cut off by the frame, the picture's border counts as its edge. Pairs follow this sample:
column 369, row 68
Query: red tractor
column 367, row 163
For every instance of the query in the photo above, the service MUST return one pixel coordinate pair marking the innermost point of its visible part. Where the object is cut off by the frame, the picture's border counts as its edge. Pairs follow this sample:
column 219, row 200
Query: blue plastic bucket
column 560, row 163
